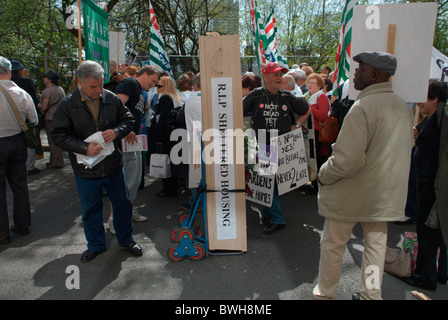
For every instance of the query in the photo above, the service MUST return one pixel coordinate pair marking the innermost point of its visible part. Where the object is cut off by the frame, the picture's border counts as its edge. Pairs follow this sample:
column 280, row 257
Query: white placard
column 222, row 106
column 415, row 24
column 439, row 66
column 117, row 47
column 261, row 189
column 292, row 169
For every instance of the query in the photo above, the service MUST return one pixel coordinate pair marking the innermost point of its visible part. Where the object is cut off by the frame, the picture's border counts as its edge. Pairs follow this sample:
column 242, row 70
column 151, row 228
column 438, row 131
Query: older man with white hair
column 87, row 110
column 13, row 153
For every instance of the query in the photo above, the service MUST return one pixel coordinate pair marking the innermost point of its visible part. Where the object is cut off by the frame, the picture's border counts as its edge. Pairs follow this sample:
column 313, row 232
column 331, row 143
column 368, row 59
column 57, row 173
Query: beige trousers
column 333, row 244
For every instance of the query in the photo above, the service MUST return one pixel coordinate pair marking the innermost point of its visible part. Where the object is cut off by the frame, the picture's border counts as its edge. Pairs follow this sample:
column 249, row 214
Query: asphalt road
column 282, row 266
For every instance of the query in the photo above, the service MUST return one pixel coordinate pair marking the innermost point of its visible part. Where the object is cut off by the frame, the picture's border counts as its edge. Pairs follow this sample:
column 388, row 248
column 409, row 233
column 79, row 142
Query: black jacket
column 73, row 123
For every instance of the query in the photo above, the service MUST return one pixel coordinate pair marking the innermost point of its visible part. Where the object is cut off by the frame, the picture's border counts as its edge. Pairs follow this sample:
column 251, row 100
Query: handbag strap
column 14, row 109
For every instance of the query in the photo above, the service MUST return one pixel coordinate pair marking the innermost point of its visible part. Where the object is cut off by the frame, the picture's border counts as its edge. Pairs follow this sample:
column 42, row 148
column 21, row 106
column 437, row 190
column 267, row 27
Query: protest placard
column 292, row 169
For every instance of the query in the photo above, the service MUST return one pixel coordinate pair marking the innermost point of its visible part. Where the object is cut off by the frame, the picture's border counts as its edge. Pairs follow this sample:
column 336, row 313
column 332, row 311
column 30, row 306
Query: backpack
column 174, row 116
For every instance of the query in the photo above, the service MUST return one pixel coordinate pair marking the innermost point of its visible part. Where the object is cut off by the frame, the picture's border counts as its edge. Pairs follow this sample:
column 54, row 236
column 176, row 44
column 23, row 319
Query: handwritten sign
column 292, row 169
column 262, row 188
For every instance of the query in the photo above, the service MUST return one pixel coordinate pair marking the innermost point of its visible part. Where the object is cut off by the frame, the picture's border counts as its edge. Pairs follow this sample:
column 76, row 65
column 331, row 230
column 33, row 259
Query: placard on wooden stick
column 405, row 30
column 222, row 110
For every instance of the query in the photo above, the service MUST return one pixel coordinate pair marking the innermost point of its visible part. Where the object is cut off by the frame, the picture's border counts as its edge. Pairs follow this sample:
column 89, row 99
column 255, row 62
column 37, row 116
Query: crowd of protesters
column 381, row 162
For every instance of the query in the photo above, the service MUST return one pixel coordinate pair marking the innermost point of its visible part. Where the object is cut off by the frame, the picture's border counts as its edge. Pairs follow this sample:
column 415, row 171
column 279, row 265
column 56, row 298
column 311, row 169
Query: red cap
column 272, row 67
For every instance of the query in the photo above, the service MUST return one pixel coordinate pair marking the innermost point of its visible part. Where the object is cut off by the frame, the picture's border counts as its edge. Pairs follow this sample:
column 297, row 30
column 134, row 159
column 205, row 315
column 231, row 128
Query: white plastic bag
column 160, row 166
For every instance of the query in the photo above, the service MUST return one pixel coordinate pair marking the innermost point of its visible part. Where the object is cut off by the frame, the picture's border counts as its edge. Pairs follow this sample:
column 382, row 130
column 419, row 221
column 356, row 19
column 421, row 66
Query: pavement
column 45, row 264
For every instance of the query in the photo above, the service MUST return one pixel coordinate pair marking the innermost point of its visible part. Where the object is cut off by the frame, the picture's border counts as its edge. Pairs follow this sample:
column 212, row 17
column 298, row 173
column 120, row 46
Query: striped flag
column 259, row 34
column 157, row 53
column 343, row 56
column 271, row 46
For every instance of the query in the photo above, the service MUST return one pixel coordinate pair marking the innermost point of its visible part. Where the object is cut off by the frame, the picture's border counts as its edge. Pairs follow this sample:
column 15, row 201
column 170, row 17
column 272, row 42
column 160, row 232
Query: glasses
column 159, row 86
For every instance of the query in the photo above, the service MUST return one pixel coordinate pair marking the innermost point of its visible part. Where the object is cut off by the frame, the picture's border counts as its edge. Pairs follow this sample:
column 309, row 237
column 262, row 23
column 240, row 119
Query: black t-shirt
column 273, row 110
column 131, row 87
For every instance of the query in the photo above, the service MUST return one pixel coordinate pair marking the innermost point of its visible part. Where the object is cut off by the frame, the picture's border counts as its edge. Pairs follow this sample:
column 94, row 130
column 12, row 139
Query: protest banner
column 439, row 66
column 96, row 35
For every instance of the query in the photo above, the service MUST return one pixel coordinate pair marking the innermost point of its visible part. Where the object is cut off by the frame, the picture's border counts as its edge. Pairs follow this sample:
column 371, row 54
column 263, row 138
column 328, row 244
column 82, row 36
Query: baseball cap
column 272, row 67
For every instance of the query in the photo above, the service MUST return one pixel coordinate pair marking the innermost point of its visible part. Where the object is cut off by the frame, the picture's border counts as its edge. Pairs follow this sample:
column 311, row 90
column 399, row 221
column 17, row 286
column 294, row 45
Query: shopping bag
column 160, row 166
column 410, row 242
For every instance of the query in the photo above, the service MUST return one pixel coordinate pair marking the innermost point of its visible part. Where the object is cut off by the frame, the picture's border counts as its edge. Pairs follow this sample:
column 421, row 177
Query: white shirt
column 9, row 125
column 193, row 121
column 193, row 110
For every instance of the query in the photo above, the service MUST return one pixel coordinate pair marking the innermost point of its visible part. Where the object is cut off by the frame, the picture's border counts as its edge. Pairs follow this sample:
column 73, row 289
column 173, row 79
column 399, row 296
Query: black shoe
column 273, row 227
column 33, row 171
column 21, row 231
column 441, row 279
column 90, row 255
column 5, row 240
column 413, row 282
column 134, row 248
column 356, row 296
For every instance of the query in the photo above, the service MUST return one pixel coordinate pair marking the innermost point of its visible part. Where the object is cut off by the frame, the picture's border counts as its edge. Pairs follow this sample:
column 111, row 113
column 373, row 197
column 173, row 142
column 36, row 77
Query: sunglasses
column 159, row 86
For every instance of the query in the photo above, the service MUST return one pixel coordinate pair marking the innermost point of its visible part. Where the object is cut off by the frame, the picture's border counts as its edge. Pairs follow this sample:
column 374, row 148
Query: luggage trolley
column 189, row 241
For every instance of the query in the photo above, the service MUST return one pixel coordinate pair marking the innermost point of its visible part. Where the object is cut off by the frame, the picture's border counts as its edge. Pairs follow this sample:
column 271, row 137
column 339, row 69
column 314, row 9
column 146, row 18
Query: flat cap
column 378, row 60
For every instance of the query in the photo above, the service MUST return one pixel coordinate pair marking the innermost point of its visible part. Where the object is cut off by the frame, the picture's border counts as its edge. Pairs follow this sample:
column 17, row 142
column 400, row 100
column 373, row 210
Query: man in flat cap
column 272, row 110
column 365, row 180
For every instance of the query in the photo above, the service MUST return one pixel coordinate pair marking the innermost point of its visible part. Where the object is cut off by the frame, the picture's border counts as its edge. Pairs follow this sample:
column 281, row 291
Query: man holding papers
column 90, row 109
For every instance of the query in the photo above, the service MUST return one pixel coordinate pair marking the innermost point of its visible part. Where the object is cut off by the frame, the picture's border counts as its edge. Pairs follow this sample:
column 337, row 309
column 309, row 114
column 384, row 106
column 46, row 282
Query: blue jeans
column 132, row 164
column 91, row 196
column 275, row 212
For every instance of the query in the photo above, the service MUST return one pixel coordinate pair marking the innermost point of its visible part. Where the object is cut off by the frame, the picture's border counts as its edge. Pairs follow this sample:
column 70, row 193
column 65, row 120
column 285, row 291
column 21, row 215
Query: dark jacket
column 73, row 123
column 441, row 183
column 160, row 132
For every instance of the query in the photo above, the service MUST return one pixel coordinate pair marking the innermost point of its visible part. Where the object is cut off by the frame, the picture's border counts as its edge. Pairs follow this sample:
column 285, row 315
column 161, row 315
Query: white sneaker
column 138, row 218
column 110, row 221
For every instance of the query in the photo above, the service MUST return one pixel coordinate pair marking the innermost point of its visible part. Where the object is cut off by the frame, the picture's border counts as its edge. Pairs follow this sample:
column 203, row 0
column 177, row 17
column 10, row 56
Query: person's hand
column 131, row 138
column 333, row 99
column 93, row 149
column 109, row 135
column 415, row 133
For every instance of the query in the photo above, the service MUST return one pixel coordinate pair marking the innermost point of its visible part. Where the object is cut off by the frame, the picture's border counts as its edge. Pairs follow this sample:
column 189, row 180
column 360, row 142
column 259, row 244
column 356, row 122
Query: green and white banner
column 96, row 35
column 158, row 56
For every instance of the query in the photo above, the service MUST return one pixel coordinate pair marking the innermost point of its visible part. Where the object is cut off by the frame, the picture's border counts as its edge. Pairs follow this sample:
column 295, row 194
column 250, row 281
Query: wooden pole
column 391, row 41
column 391, row 38
column 79, row 33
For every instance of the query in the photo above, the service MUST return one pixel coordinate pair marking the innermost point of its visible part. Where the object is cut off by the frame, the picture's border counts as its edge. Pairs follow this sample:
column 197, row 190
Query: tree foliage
column 308, row 30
